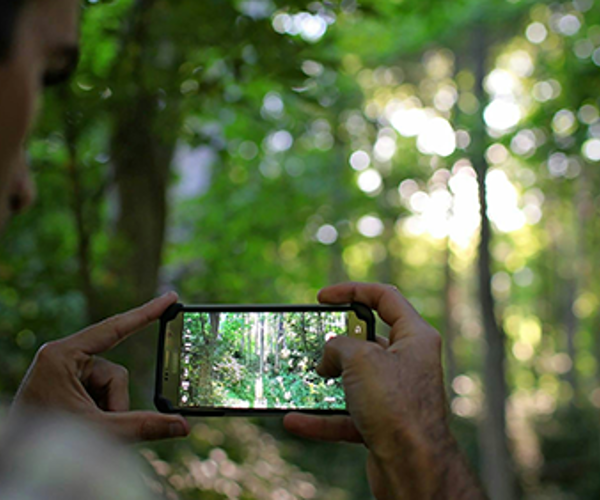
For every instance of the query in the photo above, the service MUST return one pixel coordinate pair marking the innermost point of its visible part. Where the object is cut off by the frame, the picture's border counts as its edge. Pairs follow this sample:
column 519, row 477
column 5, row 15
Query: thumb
column 334, row 428
column 137, row 426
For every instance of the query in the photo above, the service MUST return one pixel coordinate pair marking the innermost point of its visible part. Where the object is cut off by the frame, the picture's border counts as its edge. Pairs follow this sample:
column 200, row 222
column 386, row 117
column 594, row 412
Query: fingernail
column 170, row 293
column 177, row 429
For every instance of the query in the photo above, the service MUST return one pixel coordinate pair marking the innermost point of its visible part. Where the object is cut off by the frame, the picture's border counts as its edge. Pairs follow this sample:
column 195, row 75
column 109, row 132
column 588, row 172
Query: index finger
column 387, row 300
column 110, row 332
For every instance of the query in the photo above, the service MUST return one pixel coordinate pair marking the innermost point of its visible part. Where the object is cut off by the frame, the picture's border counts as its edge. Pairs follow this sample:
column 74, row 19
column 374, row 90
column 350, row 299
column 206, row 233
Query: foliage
column 233, row 459
column 258, row 360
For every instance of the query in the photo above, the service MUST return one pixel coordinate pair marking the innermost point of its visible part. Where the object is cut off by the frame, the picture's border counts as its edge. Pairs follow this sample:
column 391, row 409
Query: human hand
column 394, row 393
column 67, row 376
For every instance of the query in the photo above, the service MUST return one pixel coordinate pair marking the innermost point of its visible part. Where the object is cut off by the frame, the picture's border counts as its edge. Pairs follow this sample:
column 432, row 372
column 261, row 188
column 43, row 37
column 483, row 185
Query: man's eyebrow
column 64, row 60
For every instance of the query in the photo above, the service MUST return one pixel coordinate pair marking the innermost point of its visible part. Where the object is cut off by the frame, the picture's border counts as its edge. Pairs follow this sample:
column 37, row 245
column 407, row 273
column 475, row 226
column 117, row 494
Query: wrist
column 415, row 462
column 424, row 437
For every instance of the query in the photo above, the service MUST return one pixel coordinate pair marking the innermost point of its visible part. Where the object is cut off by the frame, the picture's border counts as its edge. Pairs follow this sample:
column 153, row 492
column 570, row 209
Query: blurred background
column 257, row 150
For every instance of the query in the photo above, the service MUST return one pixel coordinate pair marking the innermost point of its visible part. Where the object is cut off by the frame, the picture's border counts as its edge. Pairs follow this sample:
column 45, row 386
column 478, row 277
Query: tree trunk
column 320, row 325
column 386, row 269
column 337, row 271
column 497, row 464
column 278, row 341
column 141, row 174
column 449, row 327
column 215, row 320
column 142, row 145
column 596, row 334
column 261, row 333
column 258, row 334
column 579, row 271
column 243, row 337
column 249, row 329
column 303, row 332
column 259, row 399
column 78, row 206
column 204, row 396
column 272, row 334
column 571, row 324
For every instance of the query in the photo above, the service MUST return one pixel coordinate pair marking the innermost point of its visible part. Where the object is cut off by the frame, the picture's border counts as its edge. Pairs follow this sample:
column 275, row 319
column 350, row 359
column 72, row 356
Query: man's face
column 44, row 51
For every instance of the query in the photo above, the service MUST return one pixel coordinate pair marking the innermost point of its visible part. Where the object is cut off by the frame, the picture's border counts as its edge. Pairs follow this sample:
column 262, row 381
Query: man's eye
column 52, row 78
column 60, row 66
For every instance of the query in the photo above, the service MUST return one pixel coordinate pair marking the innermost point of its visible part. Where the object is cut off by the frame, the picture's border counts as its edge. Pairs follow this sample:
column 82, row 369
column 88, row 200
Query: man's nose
column 23, row 191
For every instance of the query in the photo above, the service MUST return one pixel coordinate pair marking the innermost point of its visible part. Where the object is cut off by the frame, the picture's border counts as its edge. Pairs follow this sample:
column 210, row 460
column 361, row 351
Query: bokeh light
column 360, row 160
column 327, row 234
column 536, row 32
column 279, row 141
column 591, row 149
column 502, row 114
column 310, row 27
column 369, row 181
column 437, row 137
column 370, row 226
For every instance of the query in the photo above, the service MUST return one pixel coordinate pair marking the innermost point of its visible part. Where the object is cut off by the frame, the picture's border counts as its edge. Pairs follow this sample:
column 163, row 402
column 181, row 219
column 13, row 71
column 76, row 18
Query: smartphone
column 227, row 360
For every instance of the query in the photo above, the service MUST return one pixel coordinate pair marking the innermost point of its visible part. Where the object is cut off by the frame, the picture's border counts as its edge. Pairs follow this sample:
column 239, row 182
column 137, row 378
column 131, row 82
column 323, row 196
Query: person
column 394, row 388
column 56, row 456
column 38, row 47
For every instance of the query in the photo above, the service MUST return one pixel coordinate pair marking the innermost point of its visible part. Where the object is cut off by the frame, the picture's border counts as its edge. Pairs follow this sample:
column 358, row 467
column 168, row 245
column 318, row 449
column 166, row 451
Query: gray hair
column 55, row 457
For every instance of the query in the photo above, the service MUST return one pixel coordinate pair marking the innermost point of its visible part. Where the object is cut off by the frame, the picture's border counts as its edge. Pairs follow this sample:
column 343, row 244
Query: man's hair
column 9, row 12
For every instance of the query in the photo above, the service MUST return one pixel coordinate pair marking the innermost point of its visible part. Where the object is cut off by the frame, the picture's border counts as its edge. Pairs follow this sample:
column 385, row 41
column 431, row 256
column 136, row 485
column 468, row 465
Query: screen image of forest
column 258, row 360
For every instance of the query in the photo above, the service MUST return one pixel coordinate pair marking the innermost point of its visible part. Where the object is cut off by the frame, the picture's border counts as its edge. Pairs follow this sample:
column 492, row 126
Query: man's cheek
column 18, row 106
column 18, row 95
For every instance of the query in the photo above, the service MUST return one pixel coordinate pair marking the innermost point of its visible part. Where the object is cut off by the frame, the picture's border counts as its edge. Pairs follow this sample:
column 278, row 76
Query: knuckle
column 111, row 321
column 49, row 352
column 436, row 339
column 122, row 372
column 148, row 429
column 145, row 428
column 117, row 318
column 433, row 340
column 365, row 354
column 333, row 341
column 332, row 345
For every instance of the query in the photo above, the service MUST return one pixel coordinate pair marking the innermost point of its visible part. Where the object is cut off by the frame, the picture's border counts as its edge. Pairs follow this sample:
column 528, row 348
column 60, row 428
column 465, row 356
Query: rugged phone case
column 163, row 404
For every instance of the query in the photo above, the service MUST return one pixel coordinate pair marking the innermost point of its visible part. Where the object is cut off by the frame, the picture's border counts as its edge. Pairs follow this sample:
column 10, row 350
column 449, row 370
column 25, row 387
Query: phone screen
column 259, row 360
